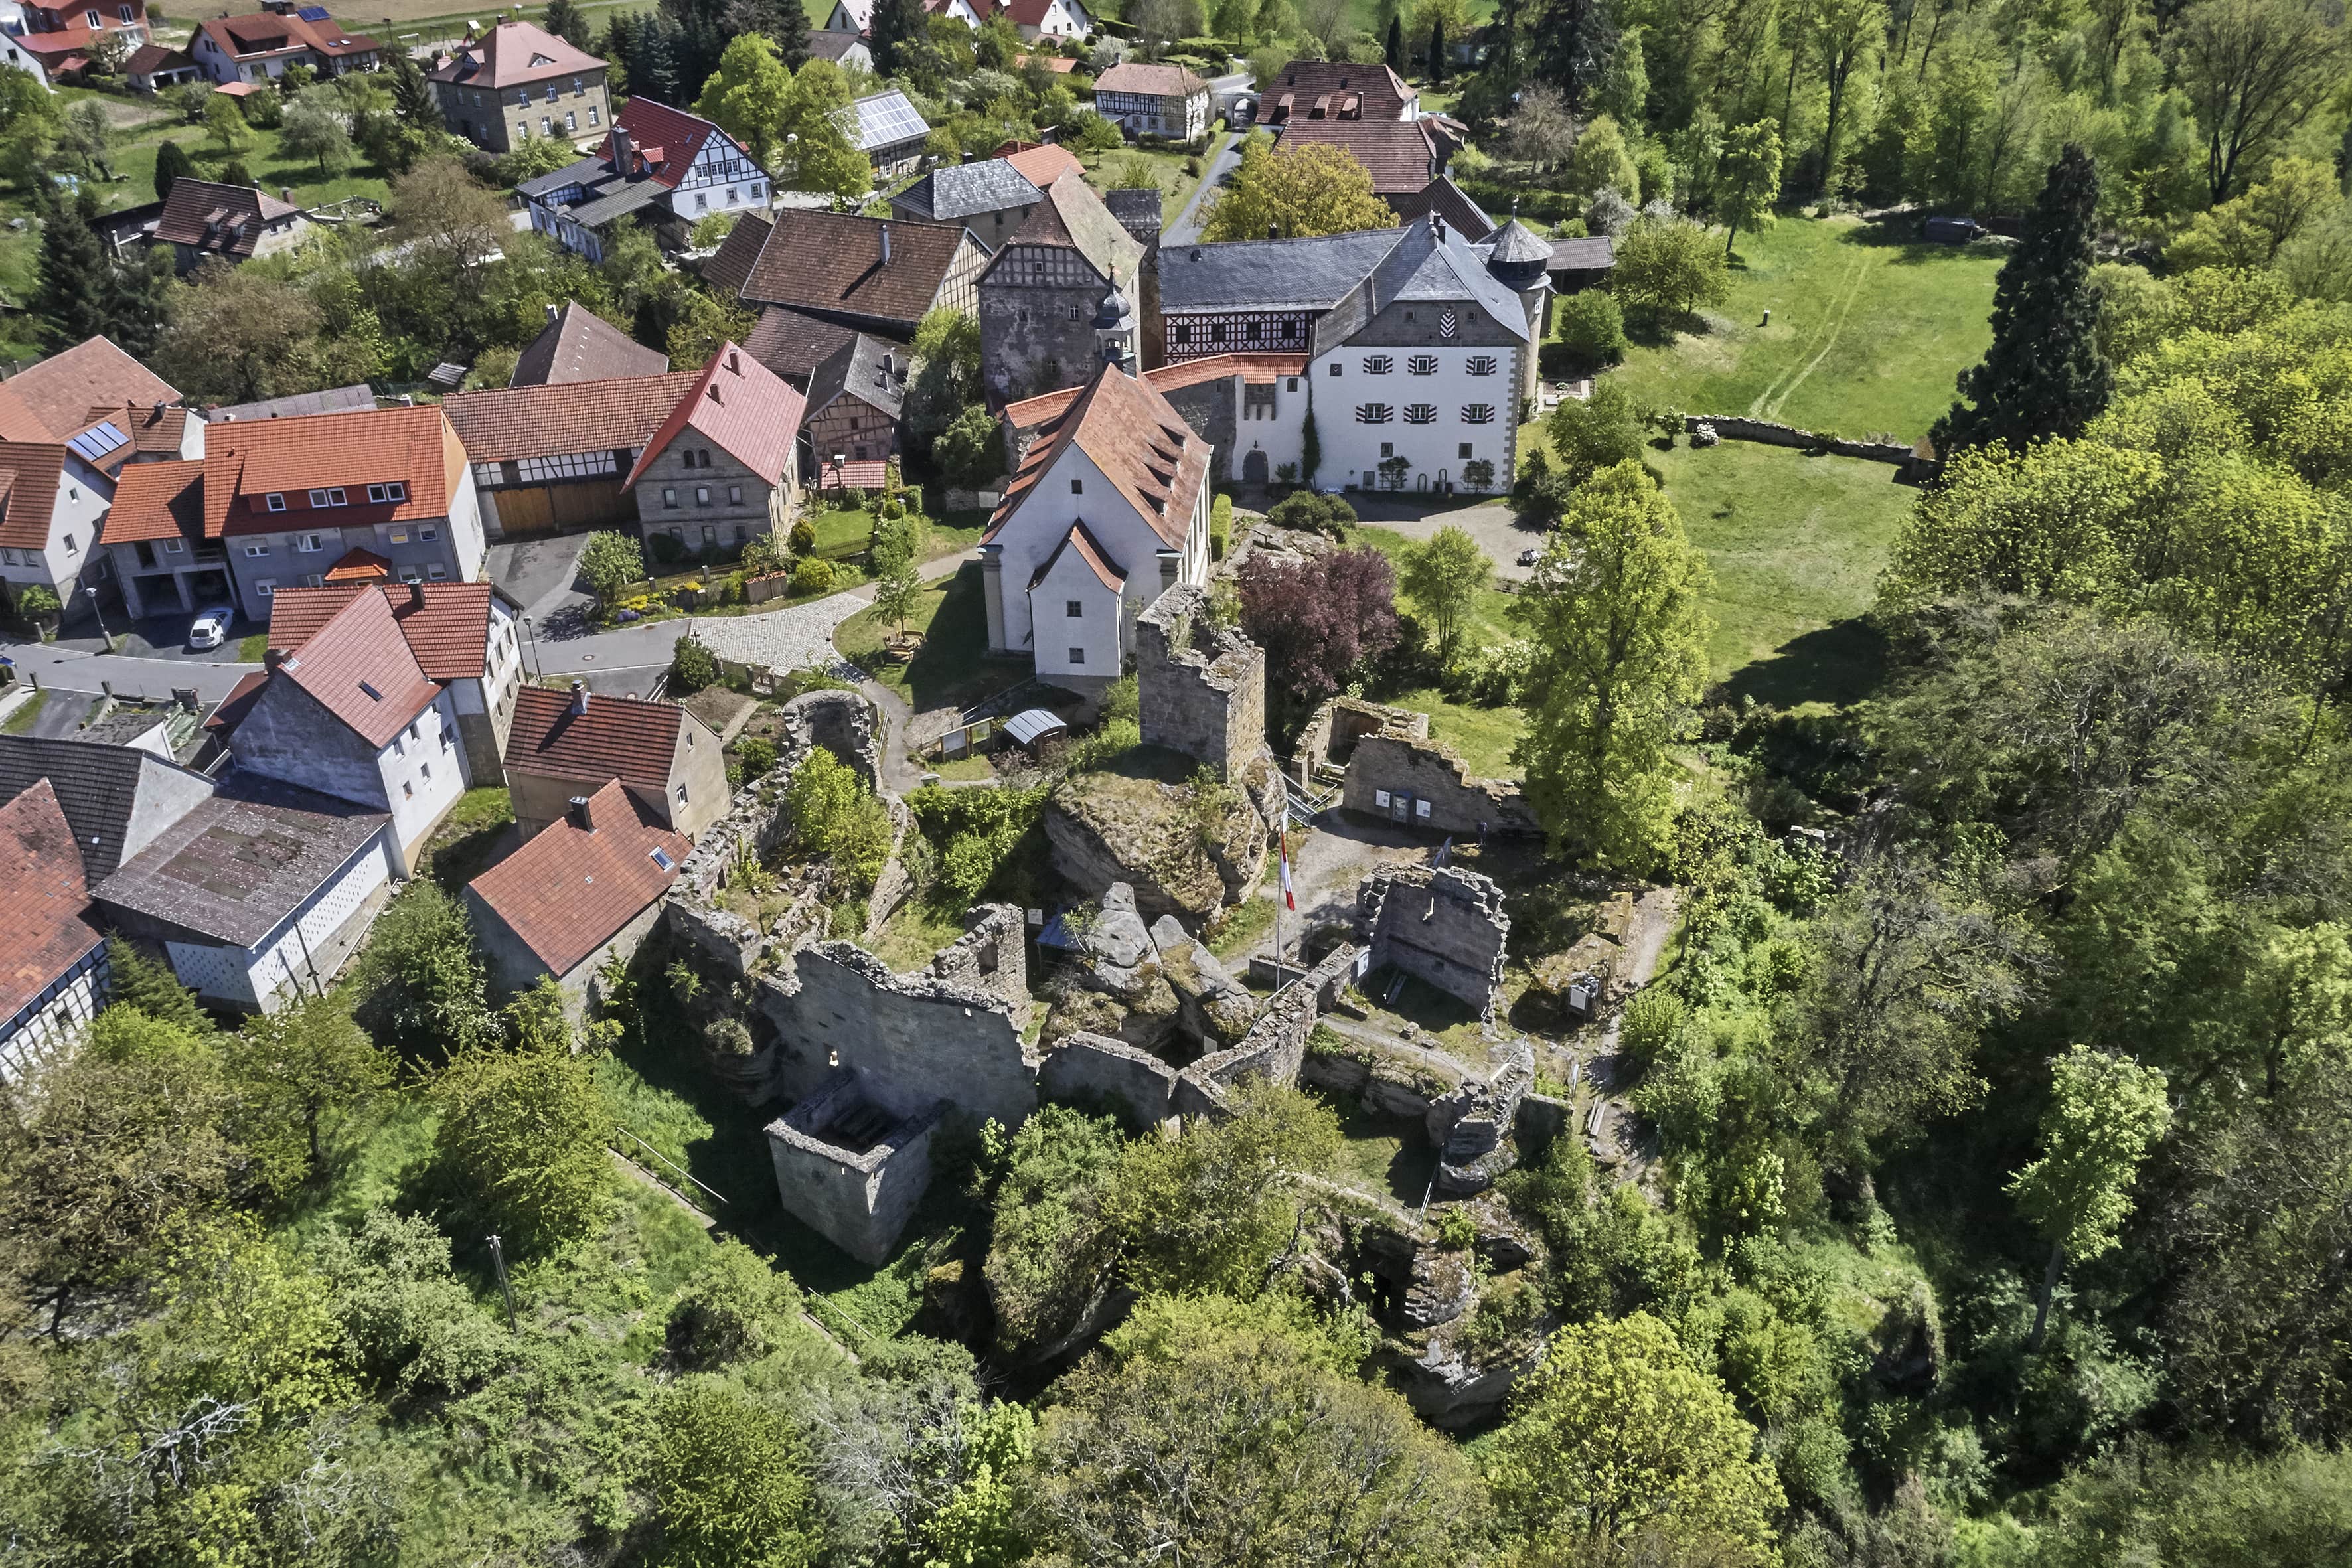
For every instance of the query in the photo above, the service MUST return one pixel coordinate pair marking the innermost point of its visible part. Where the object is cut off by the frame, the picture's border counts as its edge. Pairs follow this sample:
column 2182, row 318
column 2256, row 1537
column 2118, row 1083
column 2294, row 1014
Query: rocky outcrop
column 1472, row 1126
column 1183, row 856
column 1154, row 987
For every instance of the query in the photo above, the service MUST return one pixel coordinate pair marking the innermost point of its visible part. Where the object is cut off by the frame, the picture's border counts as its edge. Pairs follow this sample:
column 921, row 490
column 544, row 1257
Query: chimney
column 885, row 245
column 160, row 406
column 582, row 817
column 271, row 658
column 1437, row 228
column 1272, row 231
column 417, row 593
column 621, row 149
column 552, row 313
column 734, row 363
column 578, row 697
column 285, row 195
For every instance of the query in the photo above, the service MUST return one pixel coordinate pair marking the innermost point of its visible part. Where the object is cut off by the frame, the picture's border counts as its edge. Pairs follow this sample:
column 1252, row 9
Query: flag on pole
column 1282, row 841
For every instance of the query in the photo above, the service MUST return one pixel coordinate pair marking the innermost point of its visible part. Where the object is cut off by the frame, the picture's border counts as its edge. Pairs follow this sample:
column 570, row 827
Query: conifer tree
column 72, row 290
column 567, row 21
column 1437, row 51
column 2044, row 375
column 172, row 161
column 412, row 100
column 897, row 24
column 1395, row 46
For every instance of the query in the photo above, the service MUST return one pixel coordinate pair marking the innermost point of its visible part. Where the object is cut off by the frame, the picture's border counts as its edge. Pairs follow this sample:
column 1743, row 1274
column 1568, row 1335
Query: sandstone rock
column 1442, row 1287
column 1082, row 1012
column 1450, row 1391
column 1106, row 828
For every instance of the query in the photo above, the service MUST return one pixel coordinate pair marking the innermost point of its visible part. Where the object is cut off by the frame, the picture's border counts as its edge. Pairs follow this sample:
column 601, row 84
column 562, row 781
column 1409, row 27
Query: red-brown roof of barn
column 570, row 889
column 617, row 738
column 448, row 632
column 51, row 400
column 741, row 405
column 155, row 501
column 44, row 897
column 359, row 667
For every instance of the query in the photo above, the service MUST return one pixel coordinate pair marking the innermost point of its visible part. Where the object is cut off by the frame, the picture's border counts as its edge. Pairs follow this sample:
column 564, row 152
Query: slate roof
column 1083, row 543
column 333, row 400
column 1516, row 242
column 1270, row 274
column 618, row 738
column 29, row 475
column 233, row 868
column 1150, row 81
column 833, row 261
column 824, row 44
column 1423, row 267
column 157, row 501
column 731, row 264
column 743, row 407
column 358, row 668
column 45, row 928
column 567, row 890
column 958, row 191
column 508, row 423
column 1139, row 211
column 1128, row 429
column 1597, row 254
column 511, row 53
column 1397, row 153
column 1041, row 162
column 445, row 624
column 97, row 786
column 792, row 344
column 49, row 401
column 856, row 370
column 1448, row 201
column 581, row 345
column 881, row 119
column 244, row 462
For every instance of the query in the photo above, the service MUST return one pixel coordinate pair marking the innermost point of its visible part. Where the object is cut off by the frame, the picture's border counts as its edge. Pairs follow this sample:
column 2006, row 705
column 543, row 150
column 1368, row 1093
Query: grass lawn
column 470, row 839
column 953, row 668
column 842, row 532
column 1168, row 167
column 1868, row 330
column 250, row 649
column 22, row 720
column 1482, row 735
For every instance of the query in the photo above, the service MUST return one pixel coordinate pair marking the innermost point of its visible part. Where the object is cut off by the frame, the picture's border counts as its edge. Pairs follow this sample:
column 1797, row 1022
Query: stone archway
column 1254, row 468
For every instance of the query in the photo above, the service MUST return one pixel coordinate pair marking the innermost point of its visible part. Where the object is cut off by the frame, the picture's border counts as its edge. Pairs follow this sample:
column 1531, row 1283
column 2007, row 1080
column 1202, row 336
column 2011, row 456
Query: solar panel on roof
column 97, row 440
column 887, row 117
column 314, row 13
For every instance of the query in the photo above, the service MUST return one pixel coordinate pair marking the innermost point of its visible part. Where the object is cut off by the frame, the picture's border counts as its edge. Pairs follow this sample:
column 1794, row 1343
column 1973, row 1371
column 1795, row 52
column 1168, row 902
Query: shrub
column 1593, row 328
column 692, row 665
column 758, row 757
column 1311, row 513
column 834, row 815
column 804, row 537
column 40, row 601
column 813, row 576
column 975, row 830
column 1221, row 527
column 734, row 1308
column 667, row 551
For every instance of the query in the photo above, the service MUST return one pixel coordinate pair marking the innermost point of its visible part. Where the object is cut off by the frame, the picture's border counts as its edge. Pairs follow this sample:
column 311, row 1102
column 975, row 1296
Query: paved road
column 1187, row 226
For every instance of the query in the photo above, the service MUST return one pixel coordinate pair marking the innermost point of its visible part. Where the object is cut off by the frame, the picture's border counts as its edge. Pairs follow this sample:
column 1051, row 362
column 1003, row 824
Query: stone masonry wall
column 1331, row 735
column 1733, row 428
column 911, row 1039
column 1390, row 763
column 1085, row 1069
column 1444, row 925
column 859, row 1200
column 1201, row 692
column 992, row 954
column 1275, row 1045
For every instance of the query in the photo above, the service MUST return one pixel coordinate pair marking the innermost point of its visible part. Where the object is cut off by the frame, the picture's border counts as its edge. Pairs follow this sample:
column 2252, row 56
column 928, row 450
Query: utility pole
column 499, row 1262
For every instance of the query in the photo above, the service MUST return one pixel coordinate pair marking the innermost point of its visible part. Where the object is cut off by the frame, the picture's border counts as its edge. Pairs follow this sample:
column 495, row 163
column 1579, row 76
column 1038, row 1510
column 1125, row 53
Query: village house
column 152, row 67
column 1108, row 509
column 555, row 459
column 1041, row 162
column 516, row 81
column 462, row 635
column 988, row 196
column 658, row 166
column 586, row 888
column 887, row 128
column 351, row 713
column 873, row 275
column 375, row 494
column 1153, row 100
column 204, row 220
column 260, row 45
column 1049, row 19
column 793, row 344
column 846, row 50
column 57, row 41
column 53, row 977
column 1034, row 19
column 578, row 344
column 724, row 468
column 1039, row 294
column 563, row 744
column 854, row 402
column 1376, row 115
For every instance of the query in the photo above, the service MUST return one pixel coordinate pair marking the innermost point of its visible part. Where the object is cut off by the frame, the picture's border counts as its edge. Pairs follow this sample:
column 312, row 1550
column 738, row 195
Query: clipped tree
column 692, row 665
column 1619, row 655
column 2105, row 1110
column 734, row 1308
column 2044, row 375
column 1748, row 178
column 1444, row 578
column 172, row 161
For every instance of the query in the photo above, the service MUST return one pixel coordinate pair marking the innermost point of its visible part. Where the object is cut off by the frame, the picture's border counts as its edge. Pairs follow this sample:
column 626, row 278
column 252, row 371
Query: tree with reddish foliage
column 1318, row 619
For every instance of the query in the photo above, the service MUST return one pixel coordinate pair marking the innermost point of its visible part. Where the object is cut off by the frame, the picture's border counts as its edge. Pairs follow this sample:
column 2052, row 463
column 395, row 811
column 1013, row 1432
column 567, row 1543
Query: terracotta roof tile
column 44, row 899
column 219, row 220
column 1396, row 152
column 1083, row 542
column 270, row 33
column 446, row 624
column 581, row 345
column 1043, row 161
column 512, row 52
column 794, row 344
column 48, row 400
column 1253, row 369
column 1155, row 81
column 743, row 407
column 1382, row 93
column 833, row 261
column 156, row 501
column 727, row 270
column 29, row 475
column 246, row 462
column 358, row 566
column 224, row 719
column 358, row 668
column 570, row 889
column 508, row 423
column 676, row 136
column 1130, row 432
column 617, row 738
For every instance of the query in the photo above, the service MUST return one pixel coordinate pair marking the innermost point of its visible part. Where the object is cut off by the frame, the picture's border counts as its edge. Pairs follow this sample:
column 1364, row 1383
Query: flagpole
column 1282, row 889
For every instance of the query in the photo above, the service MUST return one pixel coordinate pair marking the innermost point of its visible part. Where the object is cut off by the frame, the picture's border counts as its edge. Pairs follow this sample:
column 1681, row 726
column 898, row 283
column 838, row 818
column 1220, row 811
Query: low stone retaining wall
column 1275, row 1045
column 1736, row 427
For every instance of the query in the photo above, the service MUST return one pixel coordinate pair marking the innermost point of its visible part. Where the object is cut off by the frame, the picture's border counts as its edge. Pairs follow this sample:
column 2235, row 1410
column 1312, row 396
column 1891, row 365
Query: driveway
column 539, row 574
column 1187, row 226
column 1484, row 519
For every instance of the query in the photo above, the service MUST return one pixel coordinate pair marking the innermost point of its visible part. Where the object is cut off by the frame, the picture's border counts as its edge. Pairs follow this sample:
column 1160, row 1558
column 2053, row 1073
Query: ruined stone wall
column 1331, row 737
column 911, row 1039
column 1736, row 427
column 1392, row 762
column 1202, row 691
column 992, row 954
column 861, row 1199
column 840, row 721
column 1275, row 1045
column 1445, row 926
column 1086, row 1069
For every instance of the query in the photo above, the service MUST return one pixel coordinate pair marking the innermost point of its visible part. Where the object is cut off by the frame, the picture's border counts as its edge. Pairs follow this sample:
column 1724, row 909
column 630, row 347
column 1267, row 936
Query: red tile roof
column 581, row 345
column 617, row 738
column 512, row 52
column 672, row 134
column 44, row 897
column 1089, row 552
column 51, row 400
column 224, row 719
column 570, row 889
column 152, row 428
column 270, row 33
column 448, row 630
column 150, row 58
column 360, row 566
column 1397, row 151
column 29, row 475
column 1253, row 369
column 156, row 501
column 742, row 407
column 869, row 475
column 1150, row 81
column 1129, row 431
column 1381, row 92
column 359, row 667
column 507, row 423
column 1060, row 65
column 1041, row 162
column 244, row 462
column 219, row 220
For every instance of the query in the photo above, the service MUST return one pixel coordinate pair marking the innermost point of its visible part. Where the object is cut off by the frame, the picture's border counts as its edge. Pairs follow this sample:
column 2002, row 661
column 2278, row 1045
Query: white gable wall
column 1090, row 643
column 1131, row 545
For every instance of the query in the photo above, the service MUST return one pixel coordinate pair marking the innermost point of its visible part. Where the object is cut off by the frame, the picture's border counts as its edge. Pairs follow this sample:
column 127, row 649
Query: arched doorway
column 1254, row 468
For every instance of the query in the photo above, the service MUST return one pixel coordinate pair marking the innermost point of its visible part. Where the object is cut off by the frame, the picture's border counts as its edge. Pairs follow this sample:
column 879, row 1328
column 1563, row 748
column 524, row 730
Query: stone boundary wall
column 1392, row 763
column 1275, row 1045
column 992, row 955
column 1199, row 691
column 1340, row 723
column 1084, row 1067
column 1736, row 427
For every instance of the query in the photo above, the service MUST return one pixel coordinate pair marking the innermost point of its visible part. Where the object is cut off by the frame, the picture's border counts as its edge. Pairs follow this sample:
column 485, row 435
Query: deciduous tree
column 2105, row 1110
column 296, row 1073
column 749, row 94
column 610, row 563
column 1748, row 178
column 1668, row 268
column 1444, row 578
column 1318, row 619
column 521, row 1140
column 2254, row 71
column 730, row 1477
column 1296, row 195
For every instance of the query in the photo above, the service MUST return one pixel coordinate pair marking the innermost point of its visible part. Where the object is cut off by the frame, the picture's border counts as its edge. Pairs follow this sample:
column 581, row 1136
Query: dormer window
column 330, row 497
column 274, row 501
column 92, row 18
column 393, row 491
